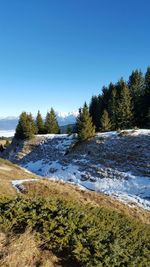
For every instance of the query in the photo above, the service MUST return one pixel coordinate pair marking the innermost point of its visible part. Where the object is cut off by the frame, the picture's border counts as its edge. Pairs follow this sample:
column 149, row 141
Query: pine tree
column 39, row 123
column 106, row 93
column 51, row 123
column 137, row 86
column 147, row 79
column 146, row 98
column 112, row 106
column 105, row 121
column 148, row 118
column 95, row 110
column 85, row 127
column 32, row 123
column 124, row 106
column 26, row 127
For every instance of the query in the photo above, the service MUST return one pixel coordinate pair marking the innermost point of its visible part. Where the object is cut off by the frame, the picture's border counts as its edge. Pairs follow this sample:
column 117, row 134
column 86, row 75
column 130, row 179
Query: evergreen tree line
column 120, row 106
column 124, row 104
column 27, row 127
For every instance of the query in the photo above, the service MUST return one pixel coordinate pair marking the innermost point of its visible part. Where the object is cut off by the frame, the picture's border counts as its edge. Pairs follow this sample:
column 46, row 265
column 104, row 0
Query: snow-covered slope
column 112, row 163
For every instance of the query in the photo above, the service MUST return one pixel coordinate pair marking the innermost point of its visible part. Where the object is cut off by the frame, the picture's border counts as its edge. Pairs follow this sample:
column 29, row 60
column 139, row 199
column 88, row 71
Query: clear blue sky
column 60, row 52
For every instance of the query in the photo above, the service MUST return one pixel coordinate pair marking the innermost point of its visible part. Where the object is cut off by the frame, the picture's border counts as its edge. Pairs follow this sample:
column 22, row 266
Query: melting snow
column 18, row 184
column 129, row 188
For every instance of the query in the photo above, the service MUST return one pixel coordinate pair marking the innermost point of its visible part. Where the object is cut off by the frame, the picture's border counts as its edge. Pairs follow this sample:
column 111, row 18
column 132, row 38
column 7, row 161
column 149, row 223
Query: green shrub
column 85, row 235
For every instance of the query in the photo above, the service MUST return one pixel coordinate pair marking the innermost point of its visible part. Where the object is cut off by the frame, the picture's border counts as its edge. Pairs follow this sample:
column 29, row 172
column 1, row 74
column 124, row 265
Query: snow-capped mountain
column 64, row 118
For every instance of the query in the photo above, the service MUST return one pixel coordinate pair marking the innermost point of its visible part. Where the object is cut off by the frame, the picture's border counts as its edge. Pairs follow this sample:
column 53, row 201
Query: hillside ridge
column 113, row 163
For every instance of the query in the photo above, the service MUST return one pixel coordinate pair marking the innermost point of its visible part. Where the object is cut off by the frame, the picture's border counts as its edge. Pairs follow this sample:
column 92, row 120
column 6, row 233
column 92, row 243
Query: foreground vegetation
column 56, row 224
column 82, row 234
column 24, row 251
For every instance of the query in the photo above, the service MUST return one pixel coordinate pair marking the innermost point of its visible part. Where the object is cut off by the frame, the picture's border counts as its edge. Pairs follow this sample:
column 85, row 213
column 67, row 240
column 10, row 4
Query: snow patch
column 131, row 132
column 18, row 184
column 128, row 188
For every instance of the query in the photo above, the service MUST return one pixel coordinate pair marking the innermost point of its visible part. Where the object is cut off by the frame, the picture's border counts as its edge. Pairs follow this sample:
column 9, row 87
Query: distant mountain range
column 10, row 123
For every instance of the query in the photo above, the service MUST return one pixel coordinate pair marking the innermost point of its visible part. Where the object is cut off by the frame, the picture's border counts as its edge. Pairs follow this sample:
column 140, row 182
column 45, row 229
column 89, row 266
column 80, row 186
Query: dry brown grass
column 9, row 172
column 20, row 251
column 3, row 142
column 73, row 193
column 6, row 188
column 23, row 251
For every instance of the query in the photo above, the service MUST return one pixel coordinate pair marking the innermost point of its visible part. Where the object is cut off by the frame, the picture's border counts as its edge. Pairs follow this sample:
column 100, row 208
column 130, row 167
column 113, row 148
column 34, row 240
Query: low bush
column 88, row 236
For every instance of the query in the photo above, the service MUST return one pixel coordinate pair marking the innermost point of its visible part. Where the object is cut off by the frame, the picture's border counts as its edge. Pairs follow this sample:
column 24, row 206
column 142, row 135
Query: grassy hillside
column 56, row 224
column 9, row 172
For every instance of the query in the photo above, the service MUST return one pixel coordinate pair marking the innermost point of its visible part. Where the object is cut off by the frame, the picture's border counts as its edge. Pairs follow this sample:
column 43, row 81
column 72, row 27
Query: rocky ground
column 113, row 163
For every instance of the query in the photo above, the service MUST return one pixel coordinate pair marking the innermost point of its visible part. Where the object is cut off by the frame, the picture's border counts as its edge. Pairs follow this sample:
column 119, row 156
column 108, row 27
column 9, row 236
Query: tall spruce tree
column 39, row 123
column 51, row 123
column 146, row 98
column 85, row 127
column 105, row 121
column 106, row 92
column 32, row 123
column 26, row 127
column 137, row 86
column 95, row 110
column 112, row 105
column 124, row 106
column 148, row 118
